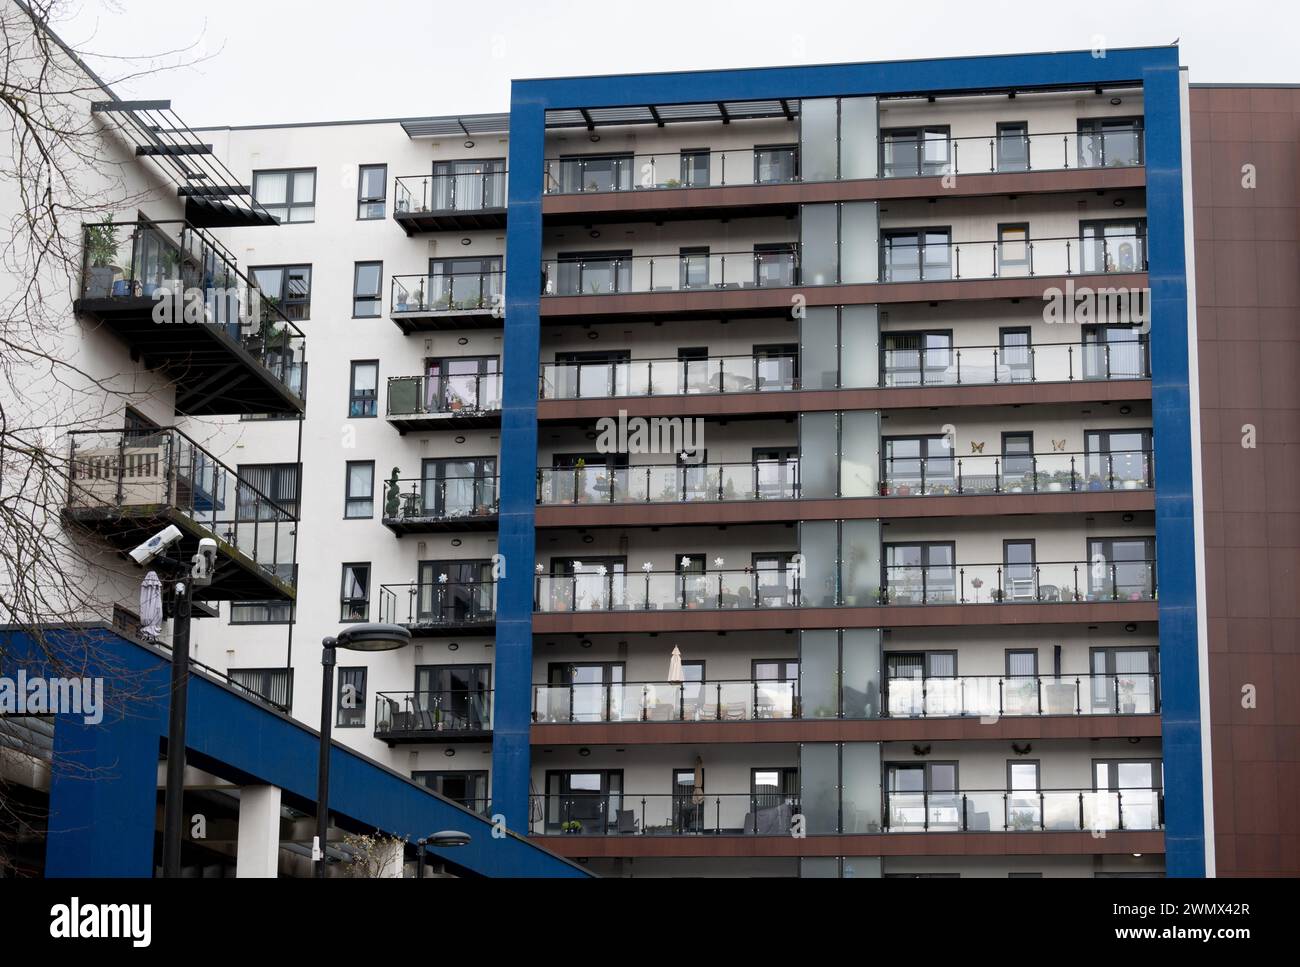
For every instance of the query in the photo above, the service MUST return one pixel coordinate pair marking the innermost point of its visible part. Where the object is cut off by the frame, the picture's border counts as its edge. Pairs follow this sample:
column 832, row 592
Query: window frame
column 353, row 398
column 268, row 604
column 277, row 469
column 364, row 201
column 345, row 718
column 282, row 300
column 377, row 298
column 290, row 203
column 347, row 616
column 350, row 498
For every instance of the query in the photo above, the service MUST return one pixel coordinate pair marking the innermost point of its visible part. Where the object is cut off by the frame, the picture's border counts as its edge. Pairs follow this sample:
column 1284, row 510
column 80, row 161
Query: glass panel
column 860, row 346
column 858, row 132
column 860, row 563
column 818, row 674
column 818, row 349
column 819, row 233
column 819, row 770
column 860, row 459
column 818, row 459
column 859, row 246
column 860, row 798
column 818, row 139
column 816, row 539
column 860, row 680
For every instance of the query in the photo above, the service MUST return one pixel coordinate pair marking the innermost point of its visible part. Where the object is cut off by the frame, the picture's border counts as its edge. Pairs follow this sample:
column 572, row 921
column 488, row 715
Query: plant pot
column 99, row 284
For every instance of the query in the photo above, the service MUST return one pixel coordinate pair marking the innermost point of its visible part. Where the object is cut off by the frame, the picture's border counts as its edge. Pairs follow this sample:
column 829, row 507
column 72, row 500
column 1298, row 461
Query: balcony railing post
column 1076, row 582
column 1078, row 696
column 959, row 480
column 1074, row 476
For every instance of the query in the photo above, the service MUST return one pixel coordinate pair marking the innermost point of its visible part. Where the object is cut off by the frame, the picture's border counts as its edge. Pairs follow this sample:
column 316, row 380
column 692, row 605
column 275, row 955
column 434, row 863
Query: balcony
column 907, row 269
column 175, row 295
column 429, row 609
column 455, row 201
column 433, row 716
column 980, row 696
column 1022, row 811
column 1037, row 473
column 764, row 480
column 754, row 383
column 125, row 486
column 444, row 402
column 936, row 154
column 692, row 813
column 903, row 586
column 447, row 301
column 440, row 505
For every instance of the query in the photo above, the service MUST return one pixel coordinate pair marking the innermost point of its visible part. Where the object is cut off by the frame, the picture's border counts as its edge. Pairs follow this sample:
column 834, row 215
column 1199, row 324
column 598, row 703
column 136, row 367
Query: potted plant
column 101, row 249
column 571, row 827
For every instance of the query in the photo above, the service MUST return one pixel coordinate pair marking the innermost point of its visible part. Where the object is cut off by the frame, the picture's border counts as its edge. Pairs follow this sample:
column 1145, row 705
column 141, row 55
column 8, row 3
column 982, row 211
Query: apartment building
column 782, row 472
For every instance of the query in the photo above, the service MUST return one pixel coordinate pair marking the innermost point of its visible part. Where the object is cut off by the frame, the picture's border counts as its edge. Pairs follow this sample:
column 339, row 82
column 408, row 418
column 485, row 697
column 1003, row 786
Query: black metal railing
column 440, row 499
column 431, row 712
column 471, row 191
column 936, row 154
column 670, row 483
column 1039, row 810
column 447, row 292
column 663, row 814
column 437, row 604
column 139, row 472
column 669, row 376
column 1123, row 693
column 671, row 169
column 1029, row 473
column 1052, row 582
column 672, row 273
column 991, row 365
column 903, row 258
column 460, row 395
column 193, row 280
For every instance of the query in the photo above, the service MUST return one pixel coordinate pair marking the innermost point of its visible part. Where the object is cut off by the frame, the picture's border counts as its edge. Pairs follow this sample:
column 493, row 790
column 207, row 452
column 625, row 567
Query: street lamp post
column 444, row 839
column 362, row 637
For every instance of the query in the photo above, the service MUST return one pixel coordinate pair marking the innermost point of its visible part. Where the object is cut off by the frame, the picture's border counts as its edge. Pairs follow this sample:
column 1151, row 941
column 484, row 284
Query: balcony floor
column 413, row 223
column 426, row 422
column 212, row 373
column 440, row 525
column 238, row 577
column 444, row 320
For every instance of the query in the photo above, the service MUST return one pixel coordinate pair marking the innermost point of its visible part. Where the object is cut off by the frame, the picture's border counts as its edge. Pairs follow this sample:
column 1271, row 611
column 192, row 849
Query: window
column 1117, row 458
column 1018, row 461
column 1013, row 146
column 456, row 488
column 910, row 689
column 289, row 194
column 275, row 685
column 590, row 801
column 918, row 464
column 1017, row 358
column 1114, row 352
column 367, row 277
column 581, row 691
column 695, row 167
column 1124, row 680
column 917, row 358
column 1013, row 249
column 1019, row 570
column 354, row 599
column 469, row 185
column 773, row 264
column 916, row 254
column 593, row 273
column 596, row 173
column 352, row 698
column 1121, row 568
column 924, row 796
column 359, row 499
column 921, row 573
column 363, row 390
column 1024, row 805
column 912, row 152
column 458, row 696
column 372, row 190
column 1110, row 142
column 462, row 283
column 1113, row 245
column 288, row 286
column 261, row 612
column 694, row 267
column 277, row 482
column 467, row 788
column 775, row 164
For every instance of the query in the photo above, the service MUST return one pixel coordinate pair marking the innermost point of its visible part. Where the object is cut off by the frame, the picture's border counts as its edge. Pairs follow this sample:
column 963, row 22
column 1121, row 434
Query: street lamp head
column 446, row 838
column 373, row 637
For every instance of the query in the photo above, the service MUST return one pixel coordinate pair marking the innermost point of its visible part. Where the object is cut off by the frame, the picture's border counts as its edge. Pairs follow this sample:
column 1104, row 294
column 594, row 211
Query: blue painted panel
column 104, row 825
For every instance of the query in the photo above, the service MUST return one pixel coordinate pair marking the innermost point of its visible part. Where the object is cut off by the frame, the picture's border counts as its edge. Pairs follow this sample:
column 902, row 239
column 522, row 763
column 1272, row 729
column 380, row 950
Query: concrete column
column 259, row 832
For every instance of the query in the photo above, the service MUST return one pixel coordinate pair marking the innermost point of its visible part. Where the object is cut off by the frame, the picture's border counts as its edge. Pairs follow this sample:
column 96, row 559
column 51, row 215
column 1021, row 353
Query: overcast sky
column 267, row 61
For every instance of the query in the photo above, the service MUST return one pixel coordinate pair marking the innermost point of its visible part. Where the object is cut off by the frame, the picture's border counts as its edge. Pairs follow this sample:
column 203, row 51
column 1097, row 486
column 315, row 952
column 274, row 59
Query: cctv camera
column 154, row 546
column 205, row 561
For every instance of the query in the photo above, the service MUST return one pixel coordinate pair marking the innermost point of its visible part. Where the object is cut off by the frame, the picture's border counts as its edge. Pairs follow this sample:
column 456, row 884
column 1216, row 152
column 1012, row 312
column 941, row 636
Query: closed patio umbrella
column 697, row 793
column 675, row 666
column 151, row 610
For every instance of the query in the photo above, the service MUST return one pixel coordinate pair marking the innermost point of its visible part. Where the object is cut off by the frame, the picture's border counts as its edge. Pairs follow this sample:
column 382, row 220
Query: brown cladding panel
column 1248, row 333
